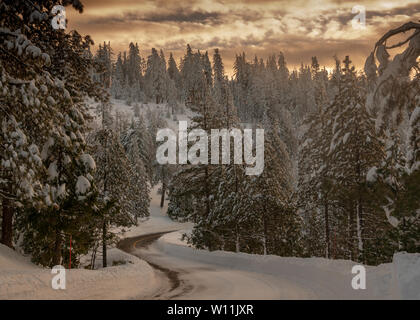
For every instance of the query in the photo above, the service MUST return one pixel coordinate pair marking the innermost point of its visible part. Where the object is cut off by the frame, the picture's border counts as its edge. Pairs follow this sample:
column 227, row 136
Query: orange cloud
column 301, row 29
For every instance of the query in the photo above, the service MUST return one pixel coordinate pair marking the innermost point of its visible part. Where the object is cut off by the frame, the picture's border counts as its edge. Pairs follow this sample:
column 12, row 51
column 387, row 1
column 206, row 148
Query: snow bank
column 20, row 279
column 400, row 279
column 172, row 244
column 407, row 275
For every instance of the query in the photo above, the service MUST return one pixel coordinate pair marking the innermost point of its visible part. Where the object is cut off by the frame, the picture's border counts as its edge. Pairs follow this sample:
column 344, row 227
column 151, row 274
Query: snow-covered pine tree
column 355, row 148
column 241, row 81
column 175, row 76
column 139, row 185
column 335, row 79
column 70, row 195
column 113, row 177
column 208, row 72
column 283, row 78
column 156, row 77
column 132, row 72
column 191, row 74
column 118, row 86
column 314, row 182
column 173, row 70
column 266, row 199
column 139, row 134
column 223, row 225
column 161, row 173
column 388, row 182
column 196, row 182
column 219, row 77
column 222, row 93
column 49, row 77
column 103, row 58
column 69, row 188
column 394, row 98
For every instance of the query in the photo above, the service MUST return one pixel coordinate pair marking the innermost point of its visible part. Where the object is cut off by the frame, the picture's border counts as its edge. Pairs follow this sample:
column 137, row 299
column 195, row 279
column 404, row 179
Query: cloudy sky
column 300, row 29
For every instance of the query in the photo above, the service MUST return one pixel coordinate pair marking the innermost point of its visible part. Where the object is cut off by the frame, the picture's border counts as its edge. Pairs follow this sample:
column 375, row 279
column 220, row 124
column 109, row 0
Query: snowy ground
column 20, row 279
column 227, row 275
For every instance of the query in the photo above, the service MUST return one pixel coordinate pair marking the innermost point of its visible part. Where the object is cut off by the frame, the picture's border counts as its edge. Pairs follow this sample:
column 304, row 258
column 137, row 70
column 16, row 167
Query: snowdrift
column 397, row 280
column 20, row 279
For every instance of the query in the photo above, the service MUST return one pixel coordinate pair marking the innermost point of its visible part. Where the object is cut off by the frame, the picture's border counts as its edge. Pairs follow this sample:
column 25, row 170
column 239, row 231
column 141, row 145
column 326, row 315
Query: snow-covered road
column 188, row 279
column 186, row 273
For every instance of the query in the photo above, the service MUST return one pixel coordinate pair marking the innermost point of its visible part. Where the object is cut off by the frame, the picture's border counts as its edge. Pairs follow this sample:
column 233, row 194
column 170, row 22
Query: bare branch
column 402, row 29
column 405, row 41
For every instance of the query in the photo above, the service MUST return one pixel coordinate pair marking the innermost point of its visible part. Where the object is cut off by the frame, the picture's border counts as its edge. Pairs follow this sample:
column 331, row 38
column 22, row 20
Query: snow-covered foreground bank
column 134, row 279
column 20, row 279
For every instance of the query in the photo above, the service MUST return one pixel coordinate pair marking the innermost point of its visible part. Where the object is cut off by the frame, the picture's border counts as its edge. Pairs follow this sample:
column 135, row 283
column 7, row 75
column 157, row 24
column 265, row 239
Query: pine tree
column 49, row 78
column 156, row 77
column 139, row 185
column 173, row 71
column 104, row 60
column 138, row 134
column 355, row 148
column 315, row 184
column 112, row 176
column 118, row 86
column 394, row 99
column 196, row 182
column 174, row 82
column 161, row 173
column 266, row 199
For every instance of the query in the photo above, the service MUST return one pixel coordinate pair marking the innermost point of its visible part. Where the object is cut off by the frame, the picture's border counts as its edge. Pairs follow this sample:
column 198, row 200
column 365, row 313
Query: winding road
column 170, row 285
column 185, row 277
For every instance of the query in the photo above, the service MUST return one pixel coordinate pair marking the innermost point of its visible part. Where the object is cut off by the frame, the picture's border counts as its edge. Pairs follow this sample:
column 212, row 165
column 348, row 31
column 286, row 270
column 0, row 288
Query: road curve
column 170, row 285
column 183, row 279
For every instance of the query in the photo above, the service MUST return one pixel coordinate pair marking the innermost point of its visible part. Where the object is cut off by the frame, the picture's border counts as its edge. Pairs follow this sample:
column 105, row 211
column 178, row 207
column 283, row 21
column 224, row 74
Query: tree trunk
column 206, row 188
column 237, row 243
column 327, row 230
column 353, row 231
column 349, row 235
column 265, row 235
column 57, row 248
column 360, row 230
column 93, row 258
column 7, row 223
column 104, row 245
column 162, row 199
